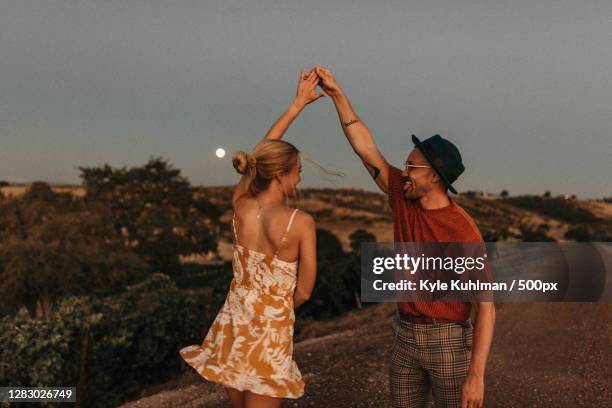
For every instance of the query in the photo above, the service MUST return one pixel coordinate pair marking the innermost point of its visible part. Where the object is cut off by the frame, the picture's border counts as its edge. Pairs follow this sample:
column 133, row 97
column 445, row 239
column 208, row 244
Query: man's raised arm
column 355, row 130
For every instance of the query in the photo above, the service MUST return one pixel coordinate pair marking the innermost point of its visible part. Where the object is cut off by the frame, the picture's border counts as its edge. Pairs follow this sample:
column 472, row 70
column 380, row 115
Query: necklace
column 259, row 209
column 259, row 204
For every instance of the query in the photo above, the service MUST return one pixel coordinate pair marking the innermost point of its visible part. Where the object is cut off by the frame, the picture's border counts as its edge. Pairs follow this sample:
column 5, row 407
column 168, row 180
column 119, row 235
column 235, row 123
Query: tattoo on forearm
column 350, row 122
column 373, row 170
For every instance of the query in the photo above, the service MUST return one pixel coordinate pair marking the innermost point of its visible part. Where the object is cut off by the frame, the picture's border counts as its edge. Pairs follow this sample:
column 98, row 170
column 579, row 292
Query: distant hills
column 499, row 217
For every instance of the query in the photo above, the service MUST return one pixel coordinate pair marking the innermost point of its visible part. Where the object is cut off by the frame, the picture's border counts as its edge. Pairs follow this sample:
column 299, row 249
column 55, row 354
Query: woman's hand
column 305, row 94
column 327, row 81
column 307, row 84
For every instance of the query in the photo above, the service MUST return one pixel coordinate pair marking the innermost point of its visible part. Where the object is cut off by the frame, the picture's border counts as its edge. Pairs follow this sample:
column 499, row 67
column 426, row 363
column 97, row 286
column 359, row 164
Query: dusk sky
column 523, row 88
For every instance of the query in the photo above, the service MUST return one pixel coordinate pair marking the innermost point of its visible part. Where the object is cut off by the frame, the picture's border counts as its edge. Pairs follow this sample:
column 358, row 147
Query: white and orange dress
column 249, row 346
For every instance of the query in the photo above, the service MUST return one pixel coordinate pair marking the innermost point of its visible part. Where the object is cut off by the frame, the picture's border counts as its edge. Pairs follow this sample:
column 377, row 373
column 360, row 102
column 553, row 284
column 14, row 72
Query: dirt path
column 544, row 355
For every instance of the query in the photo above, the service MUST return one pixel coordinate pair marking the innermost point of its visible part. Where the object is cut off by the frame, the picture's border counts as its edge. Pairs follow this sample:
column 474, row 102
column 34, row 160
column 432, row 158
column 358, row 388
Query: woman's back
column 261, row 228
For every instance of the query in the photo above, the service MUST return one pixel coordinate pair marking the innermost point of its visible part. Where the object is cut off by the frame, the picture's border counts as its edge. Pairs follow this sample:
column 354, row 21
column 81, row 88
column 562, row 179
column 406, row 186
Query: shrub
column 529, row 234
column 580, row 233
column 133, row 341
column 338, row 279
column 558, row 208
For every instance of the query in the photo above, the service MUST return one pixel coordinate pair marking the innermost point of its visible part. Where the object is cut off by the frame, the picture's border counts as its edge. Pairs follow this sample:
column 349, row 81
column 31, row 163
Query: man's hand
column 328, row 82
column 307, row 84
column 472, row 392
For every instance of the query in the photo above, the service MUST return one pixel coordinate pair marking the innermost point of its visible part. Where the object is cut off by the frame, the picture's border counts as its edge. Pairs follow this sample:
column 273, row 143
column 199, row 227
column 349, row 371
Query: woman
column 249, row 346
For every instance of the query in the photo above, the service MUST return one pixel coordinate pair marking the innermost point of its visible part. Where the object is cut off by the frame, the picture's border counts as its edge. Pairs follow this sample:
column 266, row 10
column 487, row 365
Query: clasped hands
column 308, row 82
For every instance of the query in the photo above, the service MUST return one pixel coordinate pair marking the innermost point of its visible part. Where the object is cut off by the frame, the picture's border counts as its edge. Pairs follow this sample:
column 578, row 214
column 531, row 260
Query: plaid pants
column 429, row 357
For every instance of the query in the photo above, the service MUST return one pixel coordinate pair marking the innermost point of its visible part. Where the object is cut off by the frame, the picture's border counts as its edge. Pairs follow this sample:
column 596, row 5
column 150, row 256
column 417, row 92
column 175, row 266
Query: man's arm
column 473, row 386
column 356, row 131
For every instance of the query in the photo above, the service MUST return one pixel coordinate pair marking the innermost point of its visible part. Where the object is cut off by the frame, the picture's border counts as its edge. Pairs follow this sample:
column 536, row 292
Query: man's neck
column 434, row 201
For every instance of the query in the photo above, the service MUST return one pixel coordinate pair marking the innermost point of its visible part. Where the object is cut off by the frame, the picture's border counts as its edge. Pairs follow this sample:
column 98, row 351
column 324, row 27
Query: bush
column 530, row 234
column 43, row 352
column 338, row 278
column 494, row 234
column 559, row 208
column 580, row 233
column 134, row 341
column 359, row 237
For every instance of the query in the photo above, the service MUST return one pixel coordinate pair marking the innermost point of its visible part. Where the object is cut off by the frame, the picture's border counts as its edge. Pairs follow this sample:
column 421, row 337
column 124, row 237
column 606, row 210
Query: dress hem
column 242, row 388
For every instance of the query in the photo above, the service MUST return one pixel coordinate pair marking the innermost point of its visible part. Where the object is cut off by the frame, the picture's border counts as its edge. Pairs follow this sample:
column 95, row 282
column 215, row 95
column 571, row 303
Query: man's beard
column 412, row 196
column 412, row 191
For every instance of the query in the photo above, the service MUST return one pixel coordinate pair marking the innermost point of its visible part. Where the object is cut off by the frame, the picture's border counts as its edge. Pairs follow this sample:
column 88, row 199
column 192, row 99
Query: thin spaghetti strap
column 284, row 238
column 234, row 228
column 290, row 222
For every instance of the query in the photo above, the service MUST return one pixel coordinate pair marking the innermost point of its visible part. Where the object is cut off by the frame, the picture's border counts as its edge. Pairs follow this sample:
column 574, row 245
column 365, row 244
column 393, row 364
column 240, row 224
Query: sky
column 523, row 88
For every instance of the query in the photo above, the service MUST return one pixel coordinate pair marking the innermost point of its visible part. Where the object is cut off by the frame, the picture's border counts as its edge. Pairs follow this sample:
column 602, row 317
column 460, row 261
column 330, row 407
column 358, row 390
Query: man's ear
column 437, row 180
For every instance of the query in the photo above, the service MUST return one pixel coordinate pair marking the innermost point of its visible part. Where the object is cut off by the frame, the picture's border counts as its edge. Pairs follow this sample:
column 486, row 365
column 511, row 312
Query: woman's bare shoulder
column 304, row 221
column 243, row 202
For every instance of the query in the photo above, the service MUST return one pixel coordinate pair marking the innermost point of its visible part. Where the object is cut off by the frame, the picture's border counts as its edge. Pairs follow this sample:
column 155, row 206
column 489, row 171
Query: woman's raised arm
column 305, row 94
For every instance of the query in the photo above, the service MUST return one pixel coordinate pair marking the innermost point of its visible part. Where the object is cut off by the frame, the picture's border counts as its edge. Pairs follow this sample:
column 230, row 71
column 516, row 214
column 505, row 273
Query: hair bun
column 241, row 162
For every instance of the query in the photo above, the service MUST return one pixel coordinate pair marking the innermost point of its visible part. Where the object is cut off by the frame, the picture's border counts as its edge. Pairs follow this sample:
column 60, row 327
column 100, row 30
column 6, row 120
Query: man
column 425, row 356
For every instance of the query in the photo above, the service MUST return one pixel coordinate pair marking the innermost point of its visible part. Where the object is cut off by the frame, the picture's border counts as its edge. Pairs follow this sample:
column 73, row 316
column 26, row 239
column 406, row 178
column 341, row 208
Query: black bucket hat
column 443, row 156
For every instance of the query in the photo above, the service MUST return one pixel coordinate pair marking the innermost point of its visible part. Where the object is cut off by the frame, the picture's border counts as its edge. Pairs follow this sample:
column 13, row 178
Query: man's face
column 421, row 180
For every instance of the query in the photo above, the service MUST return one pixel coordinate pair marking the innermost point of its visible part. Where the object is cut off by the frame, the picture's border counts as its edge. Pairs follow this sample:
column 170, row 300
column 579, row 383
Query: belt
column 426, row 319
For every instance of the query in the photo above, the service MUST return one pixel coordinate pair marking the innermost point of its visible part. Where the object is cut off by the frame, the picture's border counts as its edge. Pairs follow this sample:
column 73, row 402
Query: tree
column 504, row 193
column 579, row 233
column 328, row 245
column 494, row 234
column 338, row 279
column 530, row 234
column 358, row 237
column 546, row 194
column 51, row 246
column 155, row 210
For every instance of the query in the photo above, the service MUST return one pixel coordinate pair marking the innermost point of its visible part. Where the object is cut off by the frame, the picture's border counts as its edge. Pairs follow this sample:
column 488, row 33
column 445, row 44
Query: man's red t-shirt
column 413, row 223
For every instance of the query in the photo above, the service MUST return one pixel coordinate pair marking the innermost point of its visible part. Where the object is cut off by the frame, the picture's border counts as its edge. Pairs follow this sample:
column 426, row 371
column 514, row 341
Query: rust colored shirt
column 413, row 223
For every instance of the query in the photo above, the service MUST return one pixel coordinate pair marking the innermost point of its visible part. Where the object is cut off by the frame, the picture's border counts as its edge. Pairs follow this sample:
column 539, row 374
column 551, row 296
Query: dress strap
column 234, row 228
column 284, row 238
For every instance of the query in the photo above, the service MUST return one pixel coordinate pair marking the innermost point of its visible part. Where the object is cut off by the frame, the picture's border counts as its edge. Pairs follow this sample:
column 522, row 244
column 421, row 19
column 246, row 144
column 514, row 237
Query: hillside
column 342, row 211
column 520, row 218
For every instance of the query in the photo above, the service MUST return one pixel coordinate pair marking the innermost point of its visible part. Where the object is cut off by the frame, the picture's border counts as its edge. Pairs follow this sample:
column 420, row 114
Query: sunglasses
column 410, row 166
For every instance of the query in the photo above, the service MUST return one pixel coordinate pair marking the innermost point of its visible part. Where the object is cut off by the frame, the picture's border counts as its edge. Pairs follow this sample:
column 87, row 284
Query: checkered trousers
column 429, row 357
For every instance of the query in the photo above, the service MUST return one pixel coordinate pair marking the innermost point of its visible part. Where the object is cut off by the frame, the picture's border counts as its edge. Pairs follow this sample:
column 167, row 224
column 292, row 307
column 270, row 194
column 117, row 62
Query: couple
column 249, row 347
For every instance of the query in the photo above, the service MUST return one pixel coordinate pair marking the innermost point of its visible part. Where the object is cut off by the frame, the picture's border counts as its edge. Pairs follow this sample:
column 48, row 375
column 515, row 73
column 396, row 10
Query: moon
column 220, row 152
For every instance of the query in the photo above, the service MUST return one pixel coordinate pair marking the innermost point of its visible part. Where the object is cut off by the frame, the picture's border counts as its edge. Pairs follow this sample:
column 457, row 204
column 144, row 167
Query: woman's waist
column 267, row 289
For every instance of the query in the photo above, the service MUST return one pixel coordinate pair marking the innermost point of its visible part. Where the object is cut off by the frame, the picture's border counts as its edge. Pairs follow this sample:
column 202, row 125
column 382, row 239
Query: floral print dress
column 250, row 344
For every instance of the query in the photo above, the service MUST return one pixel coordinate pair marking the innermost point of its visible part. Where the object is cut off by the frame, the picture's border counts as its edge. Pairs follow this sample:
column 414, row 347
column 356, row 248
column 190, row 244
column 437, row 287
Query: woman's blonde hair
column 269, row 159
